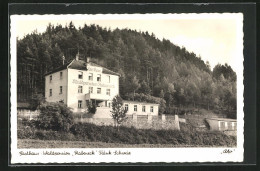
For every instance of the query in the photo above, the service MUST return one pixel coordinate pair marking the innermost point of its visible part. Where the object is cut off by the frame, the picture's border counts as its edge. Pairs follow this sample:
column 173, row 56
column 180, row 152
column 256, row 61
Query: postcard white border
column 144, row 155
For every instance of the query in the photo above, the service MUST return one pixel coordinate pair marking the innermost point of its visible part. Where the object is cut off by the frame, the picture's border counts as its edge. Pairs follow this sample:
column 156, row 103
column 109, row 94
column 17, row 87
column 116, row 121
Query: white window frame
column 80, row 104
column 61, row 89
column 126, row 107
column 90, row 90
column 90, row 76
column 50, row 92
column 98, row 90
column 229, row 125
column 222, row 128
column 135, row 108
column 98, row 77
column 80, row 75
column 108, row 92
column 80, row 89
column 234, row 125
column 151, row 109
column 143, row 108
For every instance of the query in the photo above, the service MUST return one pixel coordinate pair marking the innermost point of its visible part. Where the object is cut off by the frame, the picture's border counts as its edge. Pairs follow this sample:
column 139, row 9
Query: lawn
column 30, row 143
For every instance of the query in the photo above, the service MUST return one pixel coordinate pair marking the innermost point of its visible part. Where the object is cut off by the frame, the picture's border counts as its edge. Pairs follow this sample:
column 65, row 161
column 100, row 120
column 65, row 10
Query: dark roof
column 138, row 102
column 105, row 70
column 223, row 119
column 23, row 105
column 81, row 65
column 65, row 66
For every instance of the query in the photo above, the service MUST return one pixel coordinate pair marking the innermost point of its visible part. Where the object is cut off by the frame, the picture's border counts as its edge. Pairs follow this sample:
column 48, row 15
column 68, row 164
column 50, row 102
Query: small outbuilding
column 222, row 124
column 141, row 108
column 24, row 111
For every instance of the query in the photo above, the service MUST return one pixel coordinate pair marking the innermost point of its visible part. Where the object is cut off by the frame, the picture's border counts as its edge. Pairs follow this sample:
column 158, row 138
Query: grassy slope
column 29, row 143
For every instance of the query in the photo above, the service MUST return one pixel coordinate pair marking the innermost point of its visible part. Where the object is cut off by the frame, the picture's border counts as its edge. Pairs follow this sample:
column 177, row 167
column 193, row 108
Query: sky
column 217, row 38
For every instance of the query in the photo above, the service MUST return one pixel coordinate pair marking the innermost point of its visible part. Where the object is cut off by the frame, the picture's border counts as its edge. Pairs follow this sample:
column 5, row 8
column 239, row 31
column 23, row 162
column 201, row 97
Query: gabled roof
column 138, row 102
column 81, row 65
column 65, row 66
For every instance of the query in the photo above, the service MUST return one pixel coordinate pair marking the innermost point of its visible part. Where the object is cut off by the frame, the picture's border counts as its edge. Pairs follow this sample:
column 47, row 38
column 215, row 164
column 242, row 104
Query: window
column 230, row 126
column 80, row 75
column 126, row 107
column 108, row 104
column 99, row 77
column 50, row 92
column 60, row 89
column 235, row 125
column 222, row 125
column 108, row 79
column 143, row 108
column 135, row 108
column 98, row 90
column 60, row 75
column 90, row 76
column 50, row 78
column 90, row 90
column 151, row 109
column 79, row 89
column 80, row 104
column 108, row 92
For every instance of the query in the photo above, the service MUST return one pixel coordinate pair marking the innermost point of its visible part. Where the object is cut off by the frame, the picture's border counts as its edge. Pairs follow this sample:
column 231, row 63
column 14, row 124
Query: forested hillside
column 148, row 66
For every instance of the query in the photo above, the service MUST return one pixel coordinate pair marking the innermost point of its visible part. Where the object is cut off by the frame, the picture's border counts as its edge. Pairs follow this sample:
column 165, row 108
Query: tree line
column 149, row 67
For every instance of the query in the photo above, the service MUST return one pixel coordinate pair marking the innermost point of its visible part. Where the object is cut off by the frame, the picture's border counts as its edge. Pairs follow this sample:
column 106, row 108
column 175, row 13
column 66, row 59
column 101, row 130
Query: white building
column 141, row 108
column 78, row 83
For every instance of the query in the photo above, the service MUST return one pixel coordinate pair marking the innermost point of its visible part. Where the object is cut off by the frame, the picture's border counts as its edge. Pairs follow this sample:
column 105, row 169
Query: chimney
column 63, row 59
column 77, row 57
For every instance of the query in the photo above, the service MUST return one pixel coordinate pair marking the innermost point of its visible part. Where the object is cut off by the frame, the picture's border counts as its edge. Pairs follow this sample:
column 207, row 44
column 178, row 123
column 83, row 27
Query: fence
column 139, row 121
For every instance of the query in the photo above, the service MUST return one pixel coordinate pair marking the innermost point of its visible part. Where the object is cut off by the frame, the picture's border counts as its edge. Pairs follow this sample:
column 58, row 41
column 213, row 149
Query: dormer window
column 80, row 75
column 99, row 77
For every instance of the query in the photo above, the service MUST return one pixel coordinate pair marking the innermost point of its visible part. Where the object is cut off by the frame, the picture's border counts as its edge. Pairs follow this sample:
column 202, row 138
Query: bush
column 189, row 136
column 55, row 116
column 92, row 108
column 93, row 133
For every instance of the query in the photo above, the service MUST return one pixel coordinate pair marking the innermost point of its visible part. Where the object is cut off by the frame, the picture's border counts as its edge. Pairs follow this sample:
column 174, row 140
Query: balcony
column 95, row 96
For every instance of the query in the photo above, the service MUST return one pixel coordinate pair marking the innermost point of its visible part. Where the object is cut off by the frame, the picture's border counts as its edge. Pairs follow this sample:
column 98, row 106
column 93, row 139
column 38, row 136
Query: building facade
column 79, row 83
column 222, row 124
column 141, row 108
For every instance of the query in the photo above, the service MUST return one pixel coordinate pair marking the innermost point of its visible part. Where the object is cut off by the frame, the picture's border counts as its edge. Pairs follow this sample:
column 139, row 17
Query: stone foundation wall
column 27, row 114
column 139, row 122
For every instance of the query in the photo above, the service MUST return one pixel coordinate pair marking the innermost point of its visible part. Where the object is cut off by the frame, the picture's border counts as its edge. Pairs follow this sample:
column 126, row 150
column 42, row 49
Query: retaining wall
column 139, row 121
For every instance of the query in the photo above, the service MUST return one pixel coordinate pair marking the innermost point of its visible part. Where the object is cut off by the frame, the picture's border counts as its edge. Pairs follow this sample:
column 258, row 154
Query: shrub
column 26, row 132
column 118, row 111
column 92, row 108
column 55, row 116
column 91, row 132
